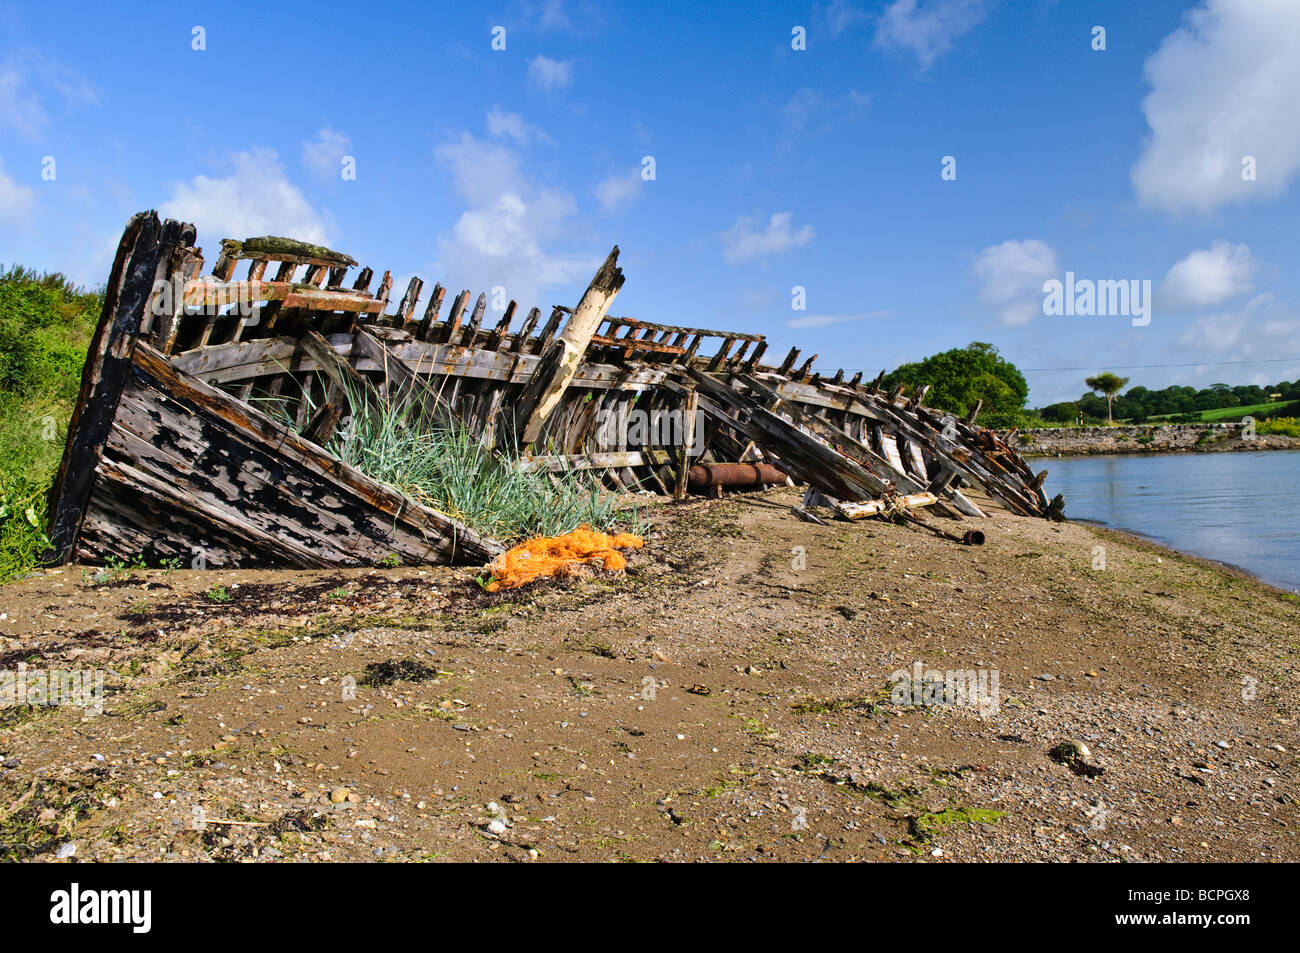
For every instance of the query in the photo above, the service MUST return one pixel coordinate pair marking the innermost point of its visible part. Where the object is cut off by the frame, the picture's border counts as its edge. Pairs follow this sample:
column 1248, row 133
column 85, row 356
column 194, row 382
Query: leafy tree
column 1109, row 384
column 1066, row 412
column 960, row 377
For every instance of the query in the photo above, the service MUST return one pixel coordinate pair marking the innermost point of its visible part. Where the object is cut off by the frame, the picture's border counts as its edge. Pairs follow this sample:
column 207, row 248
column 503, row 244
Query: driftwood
column 170, row 451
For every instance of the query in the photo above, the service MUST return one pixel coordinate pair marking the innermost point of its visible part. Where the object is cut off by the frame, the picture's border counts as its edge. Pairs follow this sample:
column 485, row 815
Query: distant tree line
column 1139, row 404
column 962, row 377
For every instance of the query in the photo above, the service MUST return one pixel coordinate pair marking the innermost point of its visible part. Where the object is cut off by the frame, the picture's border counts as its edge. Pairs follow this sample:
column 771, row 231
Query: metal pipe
column 703, row 476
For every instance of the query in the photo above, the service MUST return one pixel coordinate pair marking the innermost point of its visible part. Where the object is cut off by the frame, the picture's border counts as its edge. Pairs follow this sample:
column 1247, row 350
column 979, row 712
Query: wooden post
column 690, row 410
column 559, row 361
column 143, row 256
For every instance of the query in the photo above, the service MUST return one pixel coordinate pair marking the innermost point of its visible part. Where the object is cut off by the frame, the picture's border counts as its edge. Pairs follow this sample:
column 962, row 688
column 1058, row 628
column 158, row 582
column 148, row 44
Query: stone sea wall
column 1147, row 438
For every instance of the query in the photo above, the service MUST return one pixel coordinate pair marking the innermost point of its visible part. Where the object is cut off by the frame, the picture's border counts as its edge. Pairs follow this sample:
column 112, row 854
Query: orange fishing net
column 559, row 556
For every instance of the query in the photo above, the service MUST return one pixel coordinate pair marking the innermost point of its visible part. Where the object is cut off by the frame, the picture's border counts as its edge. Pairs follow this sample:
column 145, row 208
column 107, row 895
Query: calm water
column 1238, row 508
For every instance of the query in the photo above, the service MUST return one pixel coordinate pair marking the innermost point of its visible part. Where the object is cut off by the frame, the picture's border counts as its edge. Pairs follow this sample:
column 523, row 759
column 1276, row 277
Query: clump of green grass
column 45, row 327
column 218, row 594
column 438, row 461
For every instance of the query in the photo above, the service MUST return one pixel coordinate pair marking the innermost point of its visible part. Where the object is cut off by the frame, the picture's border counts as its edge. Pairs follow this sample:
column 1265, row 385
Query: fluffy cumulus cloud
column 503, row 235
column 255, row 198
column 16, row 201
column 1224, row 85
column 546, row 74
column 1011, row 277
column 748, row 238
column 1208, row 277
column 323, row 156
column 927, row 28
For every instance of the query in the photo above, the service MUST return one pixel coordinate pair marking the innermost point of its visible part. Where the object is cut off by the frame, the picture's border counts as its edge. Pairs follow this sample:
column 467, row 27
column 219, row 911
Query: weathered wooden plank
column 430, row 319
column 858, row 511
column 143, row 250
column 207, row 294
column 558, row 364
column 274, row 248
column 597, row 460
column 451, row 330
column 503, row 327
column 332, row 364
column 798, row 453
column 690, row 409
column 407, row 306
column 220, row 427
column 321, row 424
column 521, row 339
column 475, row 320
column 837, row 438
column 411, row 388
column 548, row 330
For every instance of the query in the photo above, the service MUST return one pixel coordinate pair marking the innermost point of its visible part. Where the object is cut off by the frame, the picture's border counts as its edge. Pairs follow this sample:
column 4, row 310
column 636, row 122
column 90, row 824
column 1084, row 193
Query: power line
column 1129, row 367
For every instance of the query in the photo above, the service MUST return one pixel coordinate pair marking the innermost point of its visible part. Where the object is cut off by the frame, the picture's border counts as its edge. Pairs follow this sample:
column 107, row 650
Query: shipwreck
column 169, row 450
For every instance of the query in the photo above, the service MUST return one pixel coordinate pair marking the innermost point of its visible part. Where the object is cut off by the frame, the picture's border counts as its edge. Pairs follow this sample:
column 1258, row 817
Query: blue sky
column 774, row 167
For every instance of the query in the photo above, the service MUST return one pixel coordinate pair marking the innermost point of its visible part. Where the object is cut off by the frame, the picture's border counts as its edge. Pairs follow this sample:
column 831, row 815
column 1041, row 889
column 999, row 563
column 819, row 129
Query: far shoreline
column 1138, row 439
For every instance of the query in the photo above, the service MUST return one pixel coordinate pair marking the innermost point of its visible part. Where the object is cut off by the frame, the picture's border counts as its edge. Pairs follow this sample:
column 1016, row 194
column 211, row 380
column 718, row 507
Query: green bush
column 1005, row 420
column 46, row 324
column 1285, row 426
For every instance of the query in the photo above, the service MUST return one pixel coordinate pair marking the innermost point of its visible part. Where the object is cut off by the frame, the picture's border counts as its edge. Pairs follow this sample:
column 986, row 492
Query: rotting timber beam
column 411, row 389
column 558, row 362
column 143, row 253
column 800, row 454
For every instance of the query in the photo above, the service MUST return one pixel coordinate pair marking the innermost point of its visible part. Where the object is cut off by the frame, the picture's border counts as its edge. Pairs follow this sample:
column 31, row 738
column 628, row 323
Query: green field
column 1232, row 413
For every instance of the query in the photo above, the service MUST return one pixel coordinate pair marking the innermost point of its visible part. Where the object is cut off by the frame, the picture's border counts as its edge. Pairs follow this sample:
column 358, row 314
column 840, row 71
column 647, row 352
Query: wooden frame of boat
column 173, row 450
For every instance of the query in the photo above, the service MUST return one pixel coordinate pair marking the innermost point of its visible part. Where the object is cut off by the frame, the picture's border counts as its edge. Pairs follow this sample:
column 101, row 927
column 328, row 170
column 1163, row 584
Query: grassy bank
column 45, row 327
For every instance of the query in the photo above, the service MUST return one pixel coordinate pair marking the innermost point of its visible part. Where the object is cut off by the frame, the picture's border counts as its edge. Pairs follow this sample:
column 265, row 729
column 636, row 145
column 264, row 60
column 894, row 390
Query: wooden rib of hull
column 167, row 455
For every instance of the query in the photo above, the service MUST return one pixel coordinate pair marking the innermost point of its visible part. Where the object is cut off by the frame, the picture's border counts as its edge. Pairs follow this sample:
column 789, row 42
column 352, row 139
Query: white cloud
column 823, row 320
column 840, row 15
column 16, row 201
column 504, row 125
column 1208, row 277
column 1011, row 277
column 323, row 156
column 619, row 190
column 546, row 74
column 564, row 16
column 1224, row 85
column 500, row 238
column 808, row 108
column 744, row 240
column 1259, row 330
column 254, row 199
column 927, row 28
column 26, row 79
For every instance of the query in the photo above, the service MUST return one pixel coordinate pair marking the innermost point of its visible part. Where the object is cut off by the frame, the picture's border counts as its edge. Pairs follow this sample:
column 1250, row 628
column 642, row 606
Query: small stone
column 339, row 795
column 497, row 827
